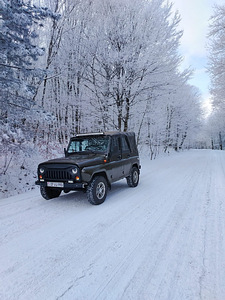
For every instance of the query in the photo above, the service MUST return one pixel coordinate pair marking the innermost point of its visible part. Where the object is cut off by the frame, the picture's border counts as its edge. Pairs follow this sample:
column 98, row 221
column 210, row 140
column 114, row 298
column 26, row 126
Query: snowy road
column 164, row 239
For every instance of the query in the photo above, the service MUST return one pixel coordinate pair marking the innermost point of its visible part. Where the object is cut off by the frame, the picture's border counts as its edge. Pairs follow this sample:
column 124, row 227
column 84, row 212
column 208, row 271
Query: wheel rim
column 135, row 177
column 100, row 190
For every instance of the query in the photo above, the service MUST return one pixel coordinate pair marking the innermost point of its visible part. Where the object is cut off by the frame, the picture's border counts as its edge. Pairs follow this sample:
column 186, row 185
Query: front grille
column 58, row 175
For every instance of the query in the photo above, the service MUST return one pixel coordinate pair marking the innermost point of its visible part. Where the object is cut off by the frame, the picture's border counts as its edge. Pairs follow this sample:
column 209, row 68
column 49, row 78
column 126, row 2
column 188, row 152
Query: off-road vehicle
column 92, row 162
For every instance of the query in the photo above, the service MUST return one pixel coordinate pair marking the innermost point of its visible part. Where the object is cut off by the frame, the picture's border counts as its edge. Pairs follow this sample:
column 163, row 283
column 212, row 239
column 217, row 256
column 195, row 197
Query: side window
column 115, row 146
column 125, row 146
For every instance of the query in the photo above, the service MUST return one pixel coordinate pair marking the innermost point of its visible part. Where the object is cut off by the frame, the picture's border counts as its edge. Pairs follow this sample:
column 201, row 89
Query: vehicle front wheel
column 133, row 178
column 49, row 193
column 97, row 190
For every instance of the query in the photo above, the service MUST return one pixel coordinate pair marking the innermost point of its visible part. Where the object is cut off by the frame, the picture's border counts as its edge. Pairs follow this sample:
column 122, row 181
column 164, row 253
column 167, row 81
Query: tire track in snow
column 138, row 245
column 212, row 284
column 173, row 219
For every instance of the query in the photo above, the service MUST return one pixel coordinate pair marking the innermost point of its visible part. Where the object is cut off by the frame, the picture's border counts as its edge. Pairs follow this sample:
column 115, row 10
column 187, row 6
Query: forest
column 76, row 66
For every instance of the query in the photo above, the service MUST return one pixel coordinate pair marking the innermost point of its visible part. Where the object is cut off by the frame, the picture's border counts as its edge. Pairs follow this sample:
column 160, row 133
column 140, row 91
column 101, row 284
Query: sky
column 195, row 15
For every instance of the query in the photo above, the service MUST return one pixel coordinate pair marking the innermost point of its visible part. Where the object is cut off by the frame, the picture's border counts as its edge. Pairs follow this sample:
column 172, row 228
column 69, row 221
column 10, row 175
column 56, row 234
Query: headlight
column 74, row 171
column 41, row 170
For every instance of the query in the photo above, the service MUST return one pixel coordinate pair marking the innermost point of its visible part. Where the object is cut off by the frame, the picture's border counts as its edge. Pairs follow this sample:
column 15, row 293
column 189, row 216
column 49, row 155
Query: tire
column 97, row 190
column 133, row 178
column 48, row 193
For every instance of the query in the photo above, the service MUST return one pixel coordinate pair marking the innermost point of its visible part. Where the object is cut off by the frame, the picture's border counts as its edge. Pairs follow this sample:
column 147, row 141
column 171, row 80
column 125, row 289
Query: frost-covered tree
column 116, row 66
column 214, row 127
column 217, row 55
column 62, row 93
column 19, row 22
column 171, row 118
column 217, row 74
column 135, row 52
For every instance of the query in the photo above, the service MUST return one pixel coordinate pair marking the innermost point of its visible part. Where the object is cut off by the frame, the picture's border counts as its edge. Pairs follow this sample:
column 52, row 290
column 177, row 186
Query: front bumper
column 67, row 186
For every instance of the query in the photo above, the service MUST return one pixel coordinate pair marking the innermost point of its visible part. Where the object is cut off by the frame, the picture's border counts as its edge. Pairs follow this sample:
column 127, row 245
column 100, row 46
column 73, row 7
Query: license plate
column 55, row 184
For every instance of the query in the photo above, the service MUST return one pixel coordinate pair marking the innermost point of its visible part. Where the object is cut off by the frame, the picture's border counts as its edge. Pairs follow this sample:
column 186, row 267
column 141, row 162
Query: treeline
column 94, row 65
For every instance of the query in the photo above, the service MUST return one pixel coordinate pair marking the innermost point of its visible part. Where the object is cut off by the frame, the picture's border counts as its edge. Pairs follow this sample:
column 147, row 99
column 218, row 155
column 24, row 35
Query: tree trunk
column 220, row 141
column 127, row 116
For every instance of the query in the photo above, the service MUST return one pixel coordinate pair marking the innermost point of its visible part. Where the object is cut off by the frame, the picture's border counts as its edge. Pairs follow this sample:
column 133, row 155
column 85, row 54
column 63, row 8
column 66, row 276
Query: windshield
column 89, row 144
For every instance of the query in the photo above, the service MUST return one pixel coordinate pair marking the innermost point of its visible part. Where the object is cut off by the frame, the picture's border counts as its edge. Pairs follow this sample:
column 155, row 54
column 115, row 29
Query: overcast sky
column 195, row 15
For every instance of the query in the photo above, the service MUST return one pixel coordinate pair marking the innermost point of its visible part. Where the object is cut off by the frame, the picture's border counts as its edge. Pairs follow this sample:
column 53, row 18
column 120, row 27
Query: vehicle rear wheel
column 133, row 178
column 49, row 193
column 97, row 190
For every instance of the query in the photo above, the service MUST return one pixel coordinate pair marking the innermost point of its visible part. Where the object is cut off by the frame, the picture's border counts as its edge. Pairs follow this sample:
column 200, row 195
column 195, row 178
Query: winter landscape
column 78, row 66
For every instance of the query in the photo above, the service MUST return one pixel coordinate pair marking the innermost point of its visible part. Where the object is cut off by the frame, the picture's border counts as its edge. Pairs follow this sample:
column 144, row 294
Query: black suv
column 92, row 162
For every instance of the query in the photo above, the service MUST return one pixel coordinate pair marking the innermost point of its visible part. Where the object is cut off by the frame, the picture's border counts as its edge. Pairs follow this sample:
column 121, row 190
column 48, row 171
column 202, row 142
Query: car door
column 126, row 155
column 115, row 166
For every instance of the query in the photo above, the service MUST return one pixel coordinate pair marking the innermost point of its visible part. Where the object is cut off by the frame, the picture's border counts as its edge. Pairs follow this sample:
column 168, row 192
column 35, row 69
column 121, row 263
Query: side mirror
column 108, row 156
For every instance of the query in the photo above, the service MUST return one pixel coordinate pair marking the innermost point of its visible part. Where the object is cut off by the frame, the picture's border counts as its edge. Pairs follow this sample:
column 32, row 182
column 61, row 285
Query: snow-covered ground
column 162, row 240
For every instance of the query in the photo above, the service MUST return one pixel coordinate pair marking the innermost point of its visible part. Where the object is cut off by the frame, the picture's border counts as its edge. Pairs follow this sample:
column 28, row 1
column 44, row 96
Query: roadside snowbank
column 18, row 168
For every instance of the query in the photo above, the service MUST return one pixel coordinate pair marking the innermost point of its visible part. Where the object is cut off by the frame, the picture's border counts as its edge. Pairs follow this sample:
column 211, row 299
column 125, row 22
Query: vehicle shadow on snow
column 79, row 198
column 118, row 186
column 119, row 190
column 74, row 198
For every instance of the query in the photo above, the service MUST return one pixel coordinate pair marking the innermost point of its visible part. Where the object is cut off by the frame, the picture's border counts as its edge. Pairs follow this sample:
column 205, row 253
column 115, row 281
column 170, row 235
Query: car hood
column 79, row 160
